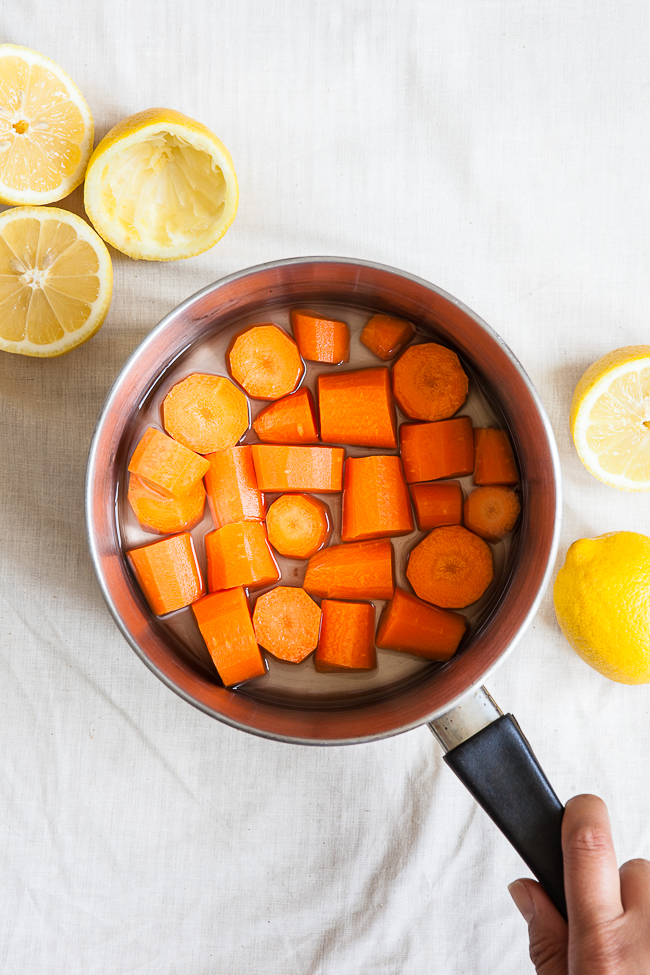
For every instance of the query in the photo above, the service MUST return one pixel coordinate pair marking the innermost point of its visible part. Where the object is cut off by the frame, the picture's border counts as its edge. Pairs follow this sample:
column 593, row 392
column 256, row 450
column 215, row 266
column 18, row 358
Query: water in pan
column 300, row 684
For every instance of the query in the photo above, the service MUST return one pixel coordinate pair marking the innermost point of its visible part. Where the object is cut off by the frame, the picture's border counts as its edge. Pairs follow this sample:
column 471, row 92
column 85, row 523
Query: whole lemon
column 602, row 603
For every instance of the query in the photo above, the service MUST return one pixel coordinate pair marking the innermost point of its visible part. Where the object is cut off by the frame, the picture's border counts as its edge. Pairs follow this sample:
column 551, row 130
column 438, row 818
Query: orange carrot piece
column 357, row 408
column 386, row 336
column 298, row 525
column 494, row 461
column 239, row 555
column 165, row 465
column 320, row 339
column 291, row 419
column 491, row 512
column 162, row 515
column 451, row 567
column 376, row 500
column 232, row 489
column 279, row 468
column 429, row 382
column 265, row 361
column 413, row 626
column 347, row 637
column 224, row 620
column 287, row 622
column 206, row 413
column 434, row 450
column 437, row 504
column 168, row 573
column 355, row 570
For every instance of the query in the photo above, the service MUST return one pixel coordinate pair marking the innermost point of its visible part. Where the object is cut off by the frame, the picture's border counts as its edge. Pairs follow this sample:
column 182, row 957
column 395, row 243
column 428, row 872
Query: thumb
column 547, row 930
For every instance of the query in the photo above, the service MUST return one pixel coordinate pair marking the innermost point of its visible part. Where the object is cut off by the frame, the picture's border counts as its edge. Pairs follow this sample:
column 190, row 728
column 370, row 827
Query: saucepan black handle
column 499, row 768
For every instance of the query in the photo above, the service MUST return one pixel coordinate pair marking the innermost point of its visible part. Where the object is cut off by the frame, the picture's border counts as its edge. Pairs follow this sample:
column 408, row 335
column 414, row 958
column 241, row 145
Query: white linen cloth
column 499, row 150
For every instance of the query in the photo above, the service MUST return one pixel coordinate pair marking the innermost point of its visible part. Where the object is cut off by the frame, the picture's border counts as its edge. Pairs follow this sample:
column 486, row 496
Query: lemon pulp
column 46, row 129
column 55, row 281
column 610, row 418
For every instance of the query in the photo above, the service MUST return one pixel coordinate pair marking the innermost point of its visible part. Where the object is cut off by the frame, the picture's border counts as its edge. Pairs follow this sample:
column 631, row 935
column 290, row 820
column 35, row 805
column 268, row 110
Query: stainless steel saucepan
column 485, row 748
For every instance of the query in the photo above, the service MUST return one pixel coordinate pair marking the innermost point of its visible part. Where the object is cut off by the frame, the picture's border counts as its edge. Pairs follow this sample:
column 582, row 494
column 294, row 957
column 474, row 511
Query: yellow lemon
column 56, row 281
column 160, row 186
column 610, row 418
column 602, row 603
column 46, row 129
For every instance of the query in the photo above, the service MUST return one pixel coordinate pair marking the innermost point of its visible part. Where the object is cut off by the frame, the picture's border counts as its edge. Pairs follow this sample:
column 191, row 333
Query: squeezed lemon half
column 160, row 186
column 610, row 418
column 46, row 129
column 56, row 281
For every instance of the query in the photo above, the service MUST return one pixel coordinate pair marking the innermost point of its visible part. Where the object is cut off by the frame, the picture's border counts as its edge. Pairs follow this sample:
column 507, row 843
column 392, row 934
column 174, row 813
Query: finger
column 635, row 886
column 547, row 930
column 591, row 879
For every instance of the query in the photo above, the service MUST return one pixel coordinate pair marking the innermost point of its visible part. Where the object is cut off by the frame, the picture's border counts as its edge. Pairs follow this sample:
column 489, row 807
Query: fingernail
column 523, row 900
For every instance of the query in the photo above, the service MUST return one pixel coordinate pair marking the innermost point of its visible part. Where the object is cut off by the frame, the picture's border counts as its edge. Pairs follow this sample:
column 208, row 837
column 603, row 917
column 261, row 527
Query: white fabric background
column 497, row 149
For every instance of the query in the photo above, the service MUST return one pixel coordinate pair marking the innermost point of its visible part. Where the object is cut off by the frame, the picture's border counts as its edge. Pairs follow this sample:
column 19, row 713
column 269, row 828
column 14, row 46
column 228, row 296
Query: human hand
column 609, row 910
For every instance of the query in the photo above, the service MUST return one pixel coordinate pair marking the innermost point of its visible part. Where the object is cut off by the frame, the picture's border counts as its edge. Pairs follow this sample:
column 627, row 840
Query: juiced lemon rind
column 151, row 136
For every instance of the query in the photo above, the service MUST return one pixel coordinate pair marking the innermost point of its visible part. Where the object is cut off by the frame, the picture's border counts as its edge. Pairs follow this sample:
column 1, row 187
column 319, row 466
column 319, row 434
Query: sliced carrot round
column 287, row 623
column 451, row 567
column 162, row 515
column 429, row 382
column 491, row 512
column 206, row 413
column 298, row 525
column 265, row 361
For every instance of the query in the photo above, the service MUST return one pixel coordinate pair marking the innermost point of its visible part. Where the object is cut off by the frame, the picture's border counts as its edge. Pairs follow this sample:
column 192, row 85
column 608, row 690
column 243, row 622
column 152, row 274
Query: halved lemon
column 56, row 281
column 160, row 186
column 610, row 418
column 46, row 129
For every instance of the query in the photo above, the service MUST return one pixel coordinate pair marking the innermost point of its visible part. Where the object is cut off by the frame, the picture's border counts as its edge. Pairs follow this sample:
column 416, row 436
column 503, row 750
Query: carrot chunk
column 317, row 469
column 206, row 413
column 162, row 515
column 239, row 555
column 166, row 465
column 386, row 336
column 320, row 339
column 287, row 622
column 224, row 620
column 168, row 573
column 494, row 461
column 232, row 489
column 356, row 570
column 291, row 419
column 413, row 626
column 491, row 512
column 357, row 408
column 266, row 362
column 451, row 567
column 429, row 382
column 433, row 450
column 376, row 500
column 347, row 637
column 437, row 504
column 298, row 525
